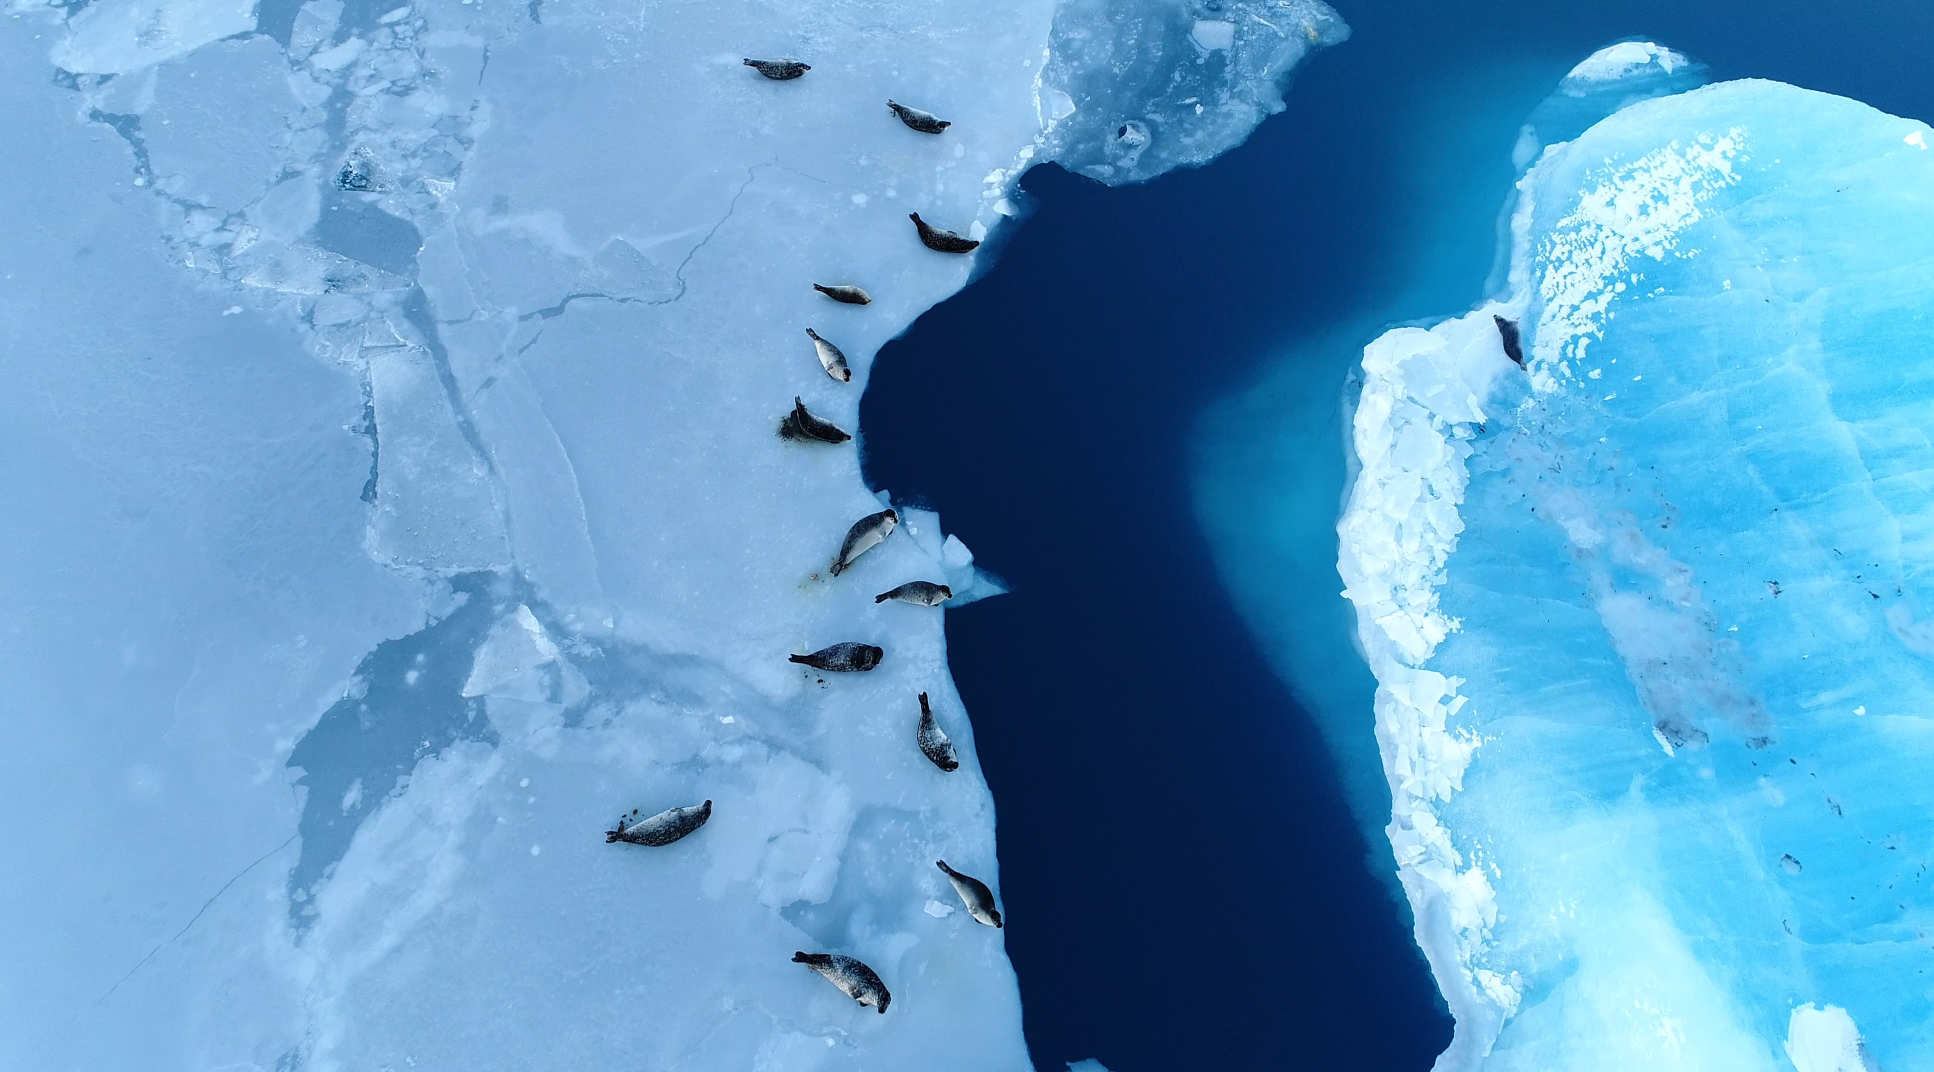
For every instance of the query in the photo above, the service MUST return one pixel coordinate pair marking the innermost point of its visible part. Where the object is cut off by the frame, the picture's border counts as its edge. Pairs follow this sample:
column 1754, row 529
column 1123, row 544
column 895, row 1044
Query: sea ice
column 400, row 387
column 1132, row 90
column 1647, row 617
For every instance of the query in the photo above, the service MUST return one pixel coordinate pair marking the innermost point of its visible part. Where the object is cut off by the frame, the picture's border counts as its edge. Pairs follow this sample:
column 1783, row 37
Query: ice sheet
column 401, row 386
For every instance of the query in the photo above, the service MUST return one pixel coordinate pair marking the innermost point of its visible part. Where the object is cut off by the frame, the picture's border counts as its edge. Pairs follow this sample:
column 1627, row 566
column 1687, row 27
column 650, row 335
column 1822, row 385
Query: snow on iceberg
column 403, row 384
column 1650, row 620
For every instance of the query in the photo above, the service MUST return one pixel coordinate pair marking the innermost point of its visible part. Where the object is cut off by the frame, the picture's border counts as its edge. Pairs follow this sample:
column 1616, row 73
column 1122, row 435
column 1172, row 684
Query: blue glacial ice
column 1651, row 619
column 393, row 390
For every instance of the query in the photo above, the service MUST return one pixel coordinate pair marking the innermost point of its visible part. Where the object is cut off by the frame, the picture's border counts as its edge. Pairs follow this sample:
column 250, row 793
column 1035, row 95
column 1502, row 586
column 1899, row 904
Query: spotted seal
column 854, row 978
column 845, row 657
column 662, row 829
column 974, row 894
column 941, row 241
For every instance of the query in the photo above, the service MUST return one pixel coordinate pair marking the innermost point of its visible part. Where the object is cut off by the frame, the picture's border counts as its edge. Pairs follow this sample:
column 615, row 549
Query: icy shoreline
column 550, row 278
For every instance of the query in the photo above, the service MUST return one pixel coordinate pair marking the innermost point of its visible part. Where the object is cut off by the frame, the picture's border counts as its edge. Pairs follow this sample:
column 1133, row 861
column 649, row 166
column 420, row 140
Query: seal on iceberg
column 918, row 593
column 865, row 533
column 830, row 358
column 941, row 241
column 662, row 829
column 847, row 657
column 1508, row 332
column 924, row 122
column 854, row 979
column 974, row 894
column 779, row 70
column 934, row 740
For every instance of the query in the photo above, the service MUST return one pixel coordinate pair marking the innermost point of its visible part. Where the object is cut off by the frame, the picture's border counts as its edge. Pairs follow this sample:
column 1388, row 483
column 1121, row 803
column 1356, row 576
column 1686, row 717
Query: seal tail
column 809, row 958
column 610, row 836
column 882, row 597
column 806, row 659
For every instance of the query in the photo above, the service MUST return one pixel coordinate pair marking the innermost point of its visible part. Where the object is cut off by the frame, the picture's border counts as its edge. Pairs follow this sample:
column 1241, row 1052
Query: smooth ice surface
column 1649, row 620
column 399, row 386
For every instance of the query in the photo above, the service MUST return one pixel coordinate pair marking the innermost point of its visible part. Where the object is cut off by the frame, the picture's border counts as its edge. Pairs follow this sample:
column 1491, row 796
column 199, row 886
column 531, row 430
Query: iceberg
column 401, row 386
column 1648, row 616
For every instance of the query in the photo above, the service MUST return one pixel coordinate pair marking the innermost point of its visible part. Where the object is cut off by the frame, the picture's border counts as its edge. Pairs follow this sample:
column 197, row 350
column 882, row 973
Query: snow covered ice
column 1650, row 620
column 394, row 389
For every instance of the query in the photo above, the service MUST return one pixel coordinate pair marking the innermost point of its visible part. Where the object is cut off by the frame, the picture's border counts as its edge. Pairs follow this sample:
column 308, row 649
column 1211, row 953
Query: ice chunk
column 1131, row 92
column 1716, row 557
column 1825, row 1040
column 1611, row 78
column 119, row 36
column 1618, row 62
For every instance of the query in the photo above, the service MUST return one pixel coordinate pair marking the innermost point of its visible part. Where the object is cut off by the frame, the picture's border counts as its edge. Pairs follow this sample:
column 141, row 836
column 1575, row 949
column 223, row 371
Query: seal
column 1508, row 331
column 918, row 593
column 865, row 533
column 845, row 295
column 924, row 122
column 779, row 70
column 934, row 740
column 662, row 829
column 974, row 894
column 854, row 979
column 847, row 657
column 801, row 425
column 830, row 358
column 941, row 241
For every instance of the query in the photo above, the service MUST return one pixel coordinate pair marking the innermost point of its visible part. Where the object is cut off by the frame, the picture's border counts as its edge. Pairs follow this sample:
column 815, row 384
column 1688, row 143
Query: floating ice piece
column 1131, row 92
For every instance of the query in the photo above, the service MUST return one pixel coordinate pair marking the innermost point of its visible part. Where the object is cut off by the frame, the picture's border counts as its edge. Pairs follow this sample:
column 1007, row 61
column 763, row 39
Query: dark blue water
column 1185, row 885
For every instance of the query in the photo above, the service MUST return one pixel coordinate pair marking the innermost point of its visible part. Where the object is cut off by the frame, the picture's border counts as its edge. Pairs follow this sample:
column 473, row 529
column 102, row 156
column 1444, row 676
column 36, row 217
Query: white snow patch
column 1825, row 1040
